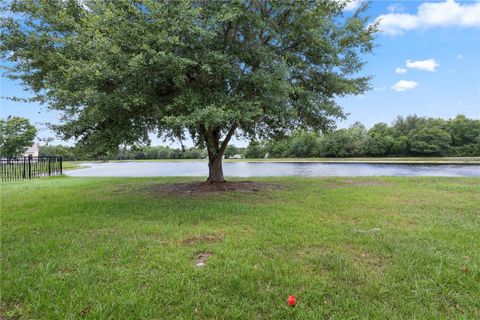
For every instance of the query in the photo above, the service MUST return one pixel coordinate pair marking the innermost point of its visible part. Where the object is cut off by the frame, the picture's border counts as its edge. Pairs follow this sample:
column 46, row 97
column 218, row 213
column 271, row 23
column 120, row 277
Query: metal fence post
column 49, row 167
column 29, row 166
column 61, row 166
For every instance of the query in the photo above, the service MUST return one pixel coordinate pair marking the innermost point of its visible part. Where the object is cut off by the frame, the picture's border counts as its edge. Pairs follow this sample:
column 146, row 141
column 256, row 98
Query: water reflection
column 264, row 169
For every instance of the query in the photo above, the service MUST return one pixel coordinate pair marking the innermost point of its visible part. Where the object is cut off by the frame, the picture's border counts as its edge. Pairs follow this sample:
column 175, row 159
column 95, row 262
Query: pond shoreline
column 368, row 162
column 273, row 168
column 406, row 160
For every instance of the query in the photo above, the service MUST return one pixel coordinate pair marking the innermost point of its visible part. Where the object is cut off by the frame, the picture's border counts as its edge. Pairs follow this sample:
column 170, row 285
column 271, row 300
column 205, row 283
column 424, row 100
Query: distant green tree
column 122, row 155
column 336, row 144
column 151, row 153
column 175, row 154
column 163, row 153
column 231, row 151
column 358, row 133
column 68, row 153
column 344, row 142
column 254, row 151
column 382, row 129
column 140, row 155
column 192, row 153
column 429, row 141
column 435, row 122
column 377, row 145
column 402, row 126
column 465, row 136
column 304, row 145
column 379, row 141
column 16, row 134
column 400, row 146
column 278, row 148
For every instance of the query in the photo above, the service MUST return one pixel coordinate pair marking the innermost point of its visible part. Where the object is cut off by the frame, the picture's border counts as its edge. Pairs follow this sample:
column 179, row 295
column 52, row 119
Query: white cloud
column 351, row 4
column 432, row 14
column 460, row 56
column 404, row 85
column 395, row 7
column 400, row 70
column 425, row 65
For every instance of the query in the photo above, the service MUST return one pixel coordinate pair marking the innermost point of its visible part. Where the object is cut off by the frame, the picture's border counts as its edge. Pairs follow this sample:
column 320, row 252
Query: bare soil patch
column 202, row 238
column 201, row 259
column 199, row 188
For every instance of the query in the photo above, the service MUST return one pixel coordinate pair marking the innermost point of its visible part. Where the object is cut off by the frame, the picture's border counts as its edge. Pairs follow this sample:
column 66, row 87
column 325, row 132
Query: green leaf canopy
column 119, row 70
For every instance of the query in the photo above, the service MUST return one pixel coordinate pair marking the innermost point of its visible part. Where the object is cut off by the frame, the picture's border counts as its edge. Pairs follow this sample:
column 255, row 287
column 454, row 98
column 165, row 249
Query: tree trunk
column 216, row 151
column 215, row 169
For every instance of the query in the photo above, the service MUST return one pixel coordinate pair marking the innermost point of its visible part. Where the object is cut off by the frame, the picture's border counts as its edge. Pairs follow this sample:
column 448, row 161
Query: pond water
column 264, row 169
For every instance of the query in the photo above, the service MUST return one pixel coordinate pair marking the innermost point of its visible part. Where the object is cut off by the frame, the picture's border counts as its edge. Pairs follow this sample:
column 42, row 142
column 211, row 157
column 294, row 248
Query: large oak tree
column 121, row 69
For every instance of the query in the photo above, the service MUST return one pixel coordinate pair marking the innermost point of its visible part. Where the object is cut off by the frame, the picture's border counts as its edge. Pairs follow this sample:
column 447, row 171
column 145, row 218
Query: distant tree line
column 133, row 153
column 73, row 153
column 406, row 136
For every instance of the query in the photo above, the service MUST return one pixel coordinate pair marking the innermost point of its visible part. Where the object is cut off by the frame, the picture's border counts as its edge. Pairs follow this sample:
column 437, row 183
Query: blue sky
column 427, row 62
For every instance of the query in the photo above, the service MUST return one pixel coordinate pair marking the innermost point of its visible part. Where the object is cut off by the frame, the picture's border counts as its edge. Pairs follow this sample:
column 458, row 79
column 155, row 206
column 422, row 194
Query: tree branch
column 227, row 138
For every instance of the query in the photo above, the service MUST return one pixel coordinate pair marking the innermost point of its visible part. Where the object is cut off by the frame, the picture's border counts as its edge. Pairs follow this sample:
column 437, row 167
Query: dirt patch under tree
column 198, row 188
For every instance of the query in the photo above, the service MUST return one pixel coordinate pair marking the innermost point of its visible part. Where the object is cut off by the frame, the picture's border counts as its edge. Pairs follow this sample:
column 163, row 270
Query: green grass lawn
column 70, row 165
column 348, row 248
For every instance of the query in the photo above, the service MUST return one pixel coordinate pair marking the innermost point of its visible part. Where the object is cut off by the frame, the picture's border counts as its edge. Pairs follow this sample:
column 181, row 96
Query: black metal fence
column 20, row 168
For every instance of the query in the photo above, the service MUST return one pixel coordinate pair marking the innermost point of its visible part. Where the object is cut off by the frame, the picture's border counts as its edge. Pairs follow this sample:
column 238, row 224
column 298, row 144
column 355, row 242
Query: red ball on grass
column 292, row 301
